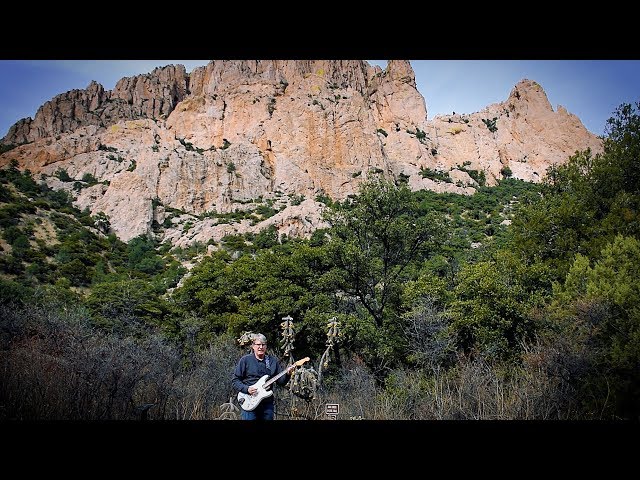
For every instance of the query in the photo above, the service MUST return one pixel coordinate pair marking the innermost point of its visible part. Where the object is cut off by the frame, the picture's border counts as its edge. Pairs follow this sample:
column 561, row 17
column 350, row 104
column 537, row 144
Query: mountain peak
column 235, row 134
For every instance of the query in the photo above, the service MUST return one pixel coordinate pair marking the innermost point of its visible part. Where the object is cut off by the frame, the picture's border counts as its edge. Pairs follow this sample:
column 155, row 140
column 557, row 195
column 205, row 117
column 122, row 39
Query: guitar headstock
column 301, row 361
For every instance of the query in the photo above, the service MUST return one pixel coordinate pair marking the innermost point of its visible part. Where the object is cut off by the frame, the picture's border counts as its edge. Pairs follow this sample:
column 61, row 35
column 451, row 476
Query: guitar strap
column 267, row 363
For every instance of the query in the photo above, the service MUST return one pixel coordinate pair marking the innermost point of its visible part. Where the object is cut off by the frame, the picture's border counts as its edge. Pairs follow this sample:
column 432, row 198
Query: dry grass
column 55, row 366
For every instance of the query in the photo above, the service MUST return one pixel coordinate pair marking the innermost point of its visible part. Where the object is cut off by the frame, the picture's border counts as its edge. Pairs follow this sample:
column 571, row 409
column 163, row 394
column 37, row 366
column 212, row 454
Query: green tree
column 143, row 256
column 267, row 237
column 13, row 292
column 620, row 168
column 586, row 202
column 375, row 237
column 254, row 292
column 598, row 309
column 491, row 311
column 126, row 306
column 378, row 239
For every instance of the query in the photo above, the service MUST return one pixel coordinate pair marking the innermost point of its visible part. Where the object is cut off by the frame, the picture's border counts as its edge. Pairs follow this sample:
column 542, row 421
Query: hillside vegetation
column 519, row 302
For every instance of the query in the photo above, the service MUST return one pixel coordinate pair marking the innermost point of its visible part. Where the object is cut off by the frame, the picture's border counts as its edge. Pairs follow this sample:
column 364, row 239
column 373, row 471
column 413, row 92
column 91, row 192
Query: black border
column 455, row 31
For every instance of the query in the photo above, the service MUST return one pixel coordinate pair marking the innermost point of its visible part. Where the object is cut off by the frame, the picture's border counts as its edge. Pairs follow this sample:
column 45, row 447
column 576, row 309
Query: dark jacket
column 249, row 370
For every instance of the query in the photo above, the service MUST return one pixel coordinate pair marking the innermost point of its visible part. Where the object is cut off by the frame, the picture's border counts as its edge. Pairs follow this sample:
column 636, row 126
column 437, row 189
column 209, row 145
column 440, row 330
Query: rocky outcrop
column 523, row 133
column 236, row 136
column 153, row 95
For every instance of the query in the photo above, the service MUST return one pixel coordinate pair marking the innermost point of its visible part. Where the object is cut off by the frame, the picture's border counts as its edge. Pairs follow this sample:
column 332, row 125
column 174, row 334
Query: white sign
column 332, row 409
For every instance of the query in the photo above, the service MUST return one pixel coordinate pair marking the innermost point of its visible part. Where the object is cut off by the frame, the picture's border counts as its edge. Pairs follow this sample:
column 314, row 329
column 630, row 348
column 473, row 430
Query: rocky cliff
column 194, row 157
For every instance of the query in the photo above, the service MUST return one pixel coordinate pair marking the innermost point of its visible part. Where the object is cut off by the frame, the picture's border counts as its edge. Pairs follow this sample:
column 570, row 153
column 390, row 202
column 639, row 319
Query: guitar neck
column 296, row 364
column 273, row 379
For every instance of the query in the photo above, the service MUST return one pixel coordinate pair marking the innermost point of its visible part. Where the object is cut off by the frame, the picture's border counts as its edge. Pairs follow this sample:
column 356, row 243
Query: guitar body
column 250, row 402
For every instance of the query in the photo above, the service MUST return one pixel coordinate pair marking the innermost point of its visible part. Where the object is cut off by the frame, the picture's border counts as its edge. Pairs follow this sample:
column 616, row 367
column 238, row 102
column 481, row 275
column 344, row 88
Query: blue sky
column 590, row 89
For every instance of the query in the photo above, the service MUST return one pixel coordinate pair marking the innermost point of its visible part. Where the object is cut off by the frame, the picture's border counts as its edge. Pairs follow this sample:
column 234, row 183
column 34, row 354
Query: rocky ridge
column 176, row 155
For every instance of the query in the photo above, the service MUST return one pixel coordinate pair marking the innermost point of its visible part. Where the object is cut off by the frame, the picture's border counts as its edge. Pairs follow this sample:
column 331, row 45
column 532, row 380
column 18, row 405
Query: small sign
column 332, row 409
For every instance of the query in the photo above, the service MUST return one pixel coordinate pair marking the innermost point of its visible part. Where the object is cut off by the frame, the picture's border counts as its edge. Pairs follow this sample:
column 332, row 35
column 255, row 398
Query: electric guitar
column 249, row 402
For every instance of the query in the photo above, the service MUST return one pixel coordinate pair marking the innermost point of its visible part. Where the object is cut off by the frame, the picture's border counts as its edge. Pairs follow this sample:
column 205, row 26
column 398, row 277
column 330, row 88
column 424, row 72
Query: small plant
column 324, row 198
column 90, row 179
column 297, row 199
column 380, row 130
column 107, row 149
column 62, row 175
column 187, row 145
column 403, row 179
column 491, row 124
column 436, row 175
column 478, row 176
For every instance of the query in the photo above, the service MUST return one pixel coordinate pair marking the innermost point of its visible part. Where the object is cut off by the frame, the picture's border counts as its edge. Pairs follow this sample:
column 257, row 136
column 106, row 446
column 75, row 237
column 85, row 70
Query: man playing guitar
column 250, row 380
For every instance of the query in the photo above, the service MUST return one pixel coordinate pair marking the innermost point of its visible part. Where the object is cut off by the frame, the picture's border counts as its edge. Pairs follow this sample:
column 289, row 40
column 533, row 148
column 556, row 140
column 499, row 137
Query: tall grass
column 56, row 366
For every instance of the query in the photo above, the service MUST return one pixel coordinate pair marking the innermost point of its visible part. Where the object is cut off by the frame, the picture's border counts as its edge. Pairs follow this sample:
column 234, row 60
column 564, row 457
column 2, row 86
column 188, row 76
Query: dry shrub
column 56, row 366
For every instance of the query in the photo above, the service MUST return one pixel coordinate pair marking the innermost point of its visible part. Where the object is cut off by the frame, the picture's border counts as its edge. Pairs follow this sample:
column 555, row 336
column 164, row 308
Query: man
column 251, row 368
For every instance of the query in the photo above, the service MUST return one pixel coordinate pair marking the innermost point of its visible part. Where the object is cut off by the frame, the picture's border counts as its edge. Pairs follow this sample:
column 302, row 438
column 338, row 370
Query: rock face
column 145, row 96
column 235, row 136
